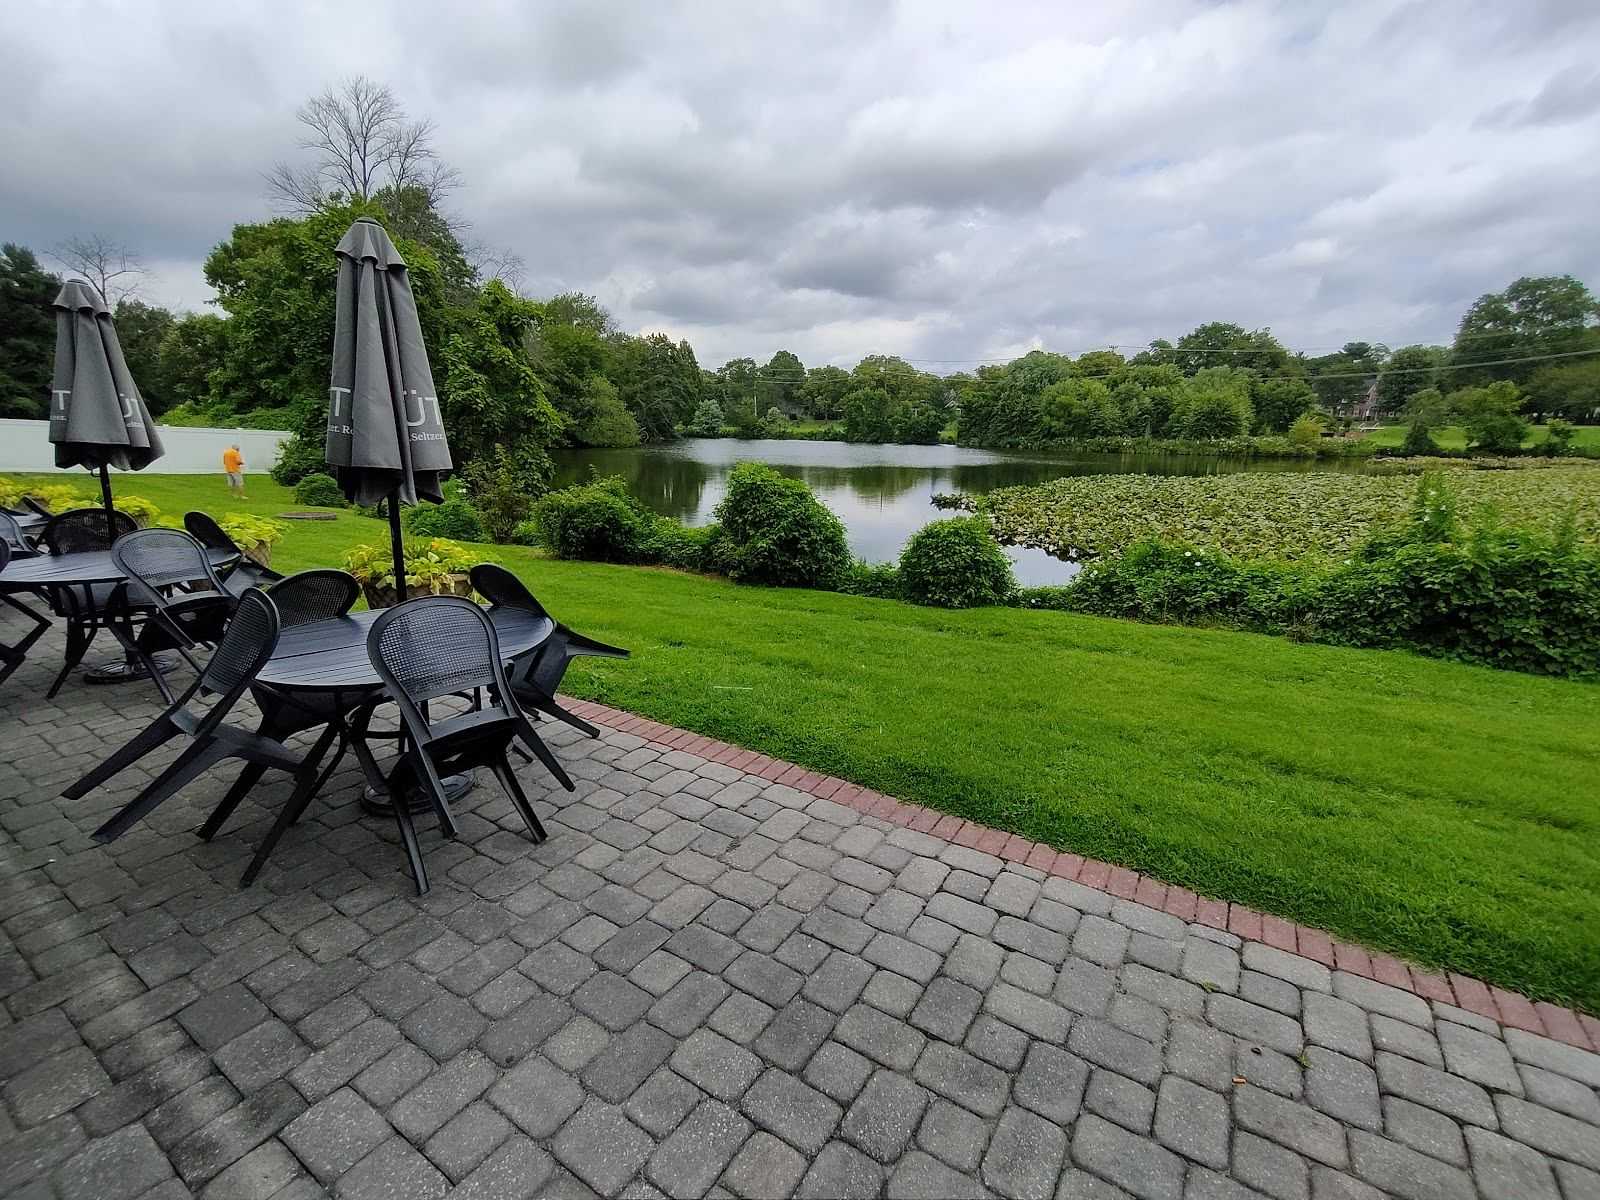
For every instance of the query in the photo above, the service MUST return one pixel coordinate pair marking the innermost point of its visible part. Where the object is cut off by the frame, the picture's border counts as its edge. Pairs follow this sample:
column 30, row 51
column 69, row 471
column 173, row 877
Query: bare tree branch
column 114, row 268
column 496, row 262
column 295, row 190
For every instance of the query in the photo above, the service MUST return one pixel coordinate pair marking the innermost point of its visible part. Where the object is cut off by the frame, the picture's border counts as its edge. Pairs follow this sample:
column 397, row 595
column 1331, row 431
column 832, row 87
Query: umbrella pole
column 105, row 499
column 396, row 546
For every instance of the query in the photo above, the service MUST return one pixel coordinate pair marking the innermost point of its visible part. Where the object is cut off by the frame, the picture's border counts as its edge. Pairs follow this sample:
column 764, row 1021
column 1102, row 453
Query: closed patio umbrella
column 385, row 433
column 97, row 417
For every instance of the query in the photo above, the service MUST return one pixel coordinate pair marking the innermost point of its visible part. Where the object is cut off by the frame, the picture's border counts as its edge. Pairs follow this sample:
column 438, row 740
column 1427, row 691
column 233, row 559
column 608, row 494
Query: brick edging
column 1508, row 1008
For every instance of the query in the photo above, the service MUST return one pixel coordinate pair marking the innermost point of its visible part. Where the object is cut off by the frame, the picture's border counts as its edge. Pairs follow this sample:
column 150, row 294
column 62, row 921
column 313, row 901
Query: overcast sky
column 949, row 182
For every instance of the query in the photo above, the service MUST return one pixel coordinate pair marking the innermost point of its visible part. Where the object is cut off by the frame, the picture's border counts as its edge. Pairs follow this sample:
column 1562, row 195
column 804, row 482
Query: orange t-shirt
column 232, row 460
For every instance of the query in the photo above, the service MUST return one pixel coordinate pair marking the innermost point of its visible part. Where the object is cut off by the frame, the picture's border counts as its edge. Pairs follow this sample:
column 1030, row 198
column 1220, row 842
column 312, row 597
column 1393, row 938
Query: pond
column 882, row 493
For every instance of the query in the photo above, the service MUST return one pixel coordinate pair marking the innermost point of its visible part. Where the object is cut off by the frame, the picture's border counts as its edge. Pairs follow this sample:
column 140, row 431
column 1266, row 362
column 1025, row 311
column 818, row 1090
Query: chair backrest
column 246, row 645
column 5, row 554
column 318, row 595
column 500, row 587
column 158, row 560
column 208, row 533
column 11, row 534
column 34, row 506
column 434, row 646
column 85, row 529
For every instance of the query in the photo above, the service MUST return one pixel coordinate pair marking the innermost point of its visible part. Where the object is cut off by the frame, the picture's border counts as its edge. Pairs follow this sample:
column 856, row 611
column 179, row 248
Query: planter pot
column 386, row 597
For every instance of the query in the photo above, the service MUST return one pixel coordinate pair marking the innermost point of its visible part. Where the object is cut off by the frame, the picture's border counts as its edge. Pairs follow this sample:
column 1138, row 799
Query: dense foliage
column 777, row 532
column 455, row 519
column 1486, row 593
column 600, row 521
column 319, row 488
column 1270, row 515
column 955, row 563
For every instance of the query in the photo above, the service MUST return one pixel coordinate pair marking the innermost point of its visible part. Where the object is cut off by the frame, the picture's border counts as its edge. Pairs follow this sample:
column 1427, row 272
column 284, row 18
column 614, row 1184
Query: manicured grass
column 1442, row 812
column 1453, row 437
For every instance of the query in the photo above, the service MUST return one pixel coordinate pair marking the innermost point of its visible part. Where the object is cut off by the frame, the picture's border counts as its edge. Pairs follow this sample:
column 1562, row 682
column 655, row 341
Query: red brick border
column 1508, row 1008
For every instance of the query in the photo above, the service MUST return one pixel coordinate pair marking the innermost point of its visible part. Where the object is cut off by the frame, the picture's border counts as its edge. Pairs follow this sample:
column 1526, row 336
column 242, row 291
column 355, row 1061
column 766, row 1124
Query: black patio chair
column 177, row 593
column 36, row 508
column 437, row 646
column 536, row 677
column 11, row 656
column 301, row 599
column 244, row 649
column 246, row 572
column 84, row 529
column 11, row 534
column 86, row 608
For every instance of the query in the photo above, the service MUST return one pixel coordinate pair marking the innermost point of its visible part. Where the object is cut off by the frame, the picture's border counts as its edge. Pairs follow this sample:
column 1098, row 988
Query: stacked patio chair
column 178, row 593
column 86, row 608
column 437, row 646
column 11, row 656
column 536, row 677
column 302, row 599
column 11, row 534
column 246, row 573
column 245, row 647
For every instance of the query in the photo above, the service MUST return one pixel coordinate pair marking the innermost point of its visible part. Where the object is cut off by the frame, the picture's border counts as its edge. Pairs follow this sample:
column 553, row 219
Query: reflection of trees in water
column 879, row 482
column 667, row 483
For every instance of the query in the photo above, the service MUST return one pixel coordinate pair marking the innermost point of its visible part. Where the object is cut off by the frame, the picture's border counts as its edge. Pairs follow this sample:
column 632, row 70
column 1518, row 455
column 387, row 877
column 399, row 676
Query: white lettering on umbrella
column 422, row 410
column 130, row 416
column 60, row 395
column 335, row 400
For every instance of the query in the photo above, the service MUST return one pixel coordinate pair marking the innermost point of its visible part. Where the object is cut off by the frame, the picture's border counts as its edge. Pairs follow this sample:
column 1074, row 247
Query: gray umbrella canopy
column 385, row 432
column 97, row 417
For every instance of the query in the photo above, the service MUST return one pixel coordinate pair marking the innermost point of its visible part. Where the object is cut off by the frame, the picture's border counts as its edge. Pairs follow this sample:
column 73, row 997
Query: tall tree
column 1343, row 378
column 1409, row 370
column 1536, row 315
column 1223, row 344
column 658, row 381
column 141, row 328
column 780, row 383
column 360, row 139
column 27, row 333
column 115, row 268
column 822, row 395
column 191, row 350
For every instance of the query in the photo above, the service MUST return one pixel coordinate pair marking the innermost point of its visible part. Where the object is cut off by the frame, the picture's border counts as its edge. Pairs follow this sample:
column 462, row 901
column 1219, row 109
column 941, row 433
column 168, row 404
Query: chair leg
column 555, row 710
column 242, row 787
column 159, row 733
column 535, row 743
column 12, row 656
column 189, row 766
column 308, row 782
column 508, row 780
column 77, row 646
column 408, row 835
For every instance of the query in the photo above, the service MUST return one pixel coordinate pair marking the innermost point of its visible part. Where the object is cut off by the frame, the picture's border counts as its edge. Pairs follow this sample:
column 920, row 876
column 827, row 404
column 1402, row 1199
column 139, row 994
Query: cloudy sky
column 951, row 182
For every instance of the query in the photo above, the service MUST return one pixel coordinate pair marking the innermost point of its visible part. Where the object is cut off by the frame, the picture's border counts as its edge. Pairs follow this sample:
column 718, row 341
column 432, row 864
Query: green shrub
column 778, row 532
column 879, row 580
column 319, row 489
column 1167, row 582
column 1419, row 440
column 454, row 519
column 598, row 521
column 1307, row 430
column 955, row 563
column 1558, row 437
column 687, row 547
column 526, row 533
column 144, row 512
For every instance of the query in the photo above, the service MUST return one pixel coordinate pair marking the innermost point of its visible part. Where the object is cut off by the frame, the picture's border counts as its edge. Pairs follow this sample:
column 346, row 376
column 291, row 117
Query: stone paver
column 704, row 983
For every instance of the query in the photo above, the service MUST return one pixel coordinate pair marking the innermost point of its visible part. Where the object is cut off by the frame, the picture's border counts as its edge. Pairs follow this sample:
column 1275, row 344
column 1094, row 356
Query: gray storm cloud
column 946, row 182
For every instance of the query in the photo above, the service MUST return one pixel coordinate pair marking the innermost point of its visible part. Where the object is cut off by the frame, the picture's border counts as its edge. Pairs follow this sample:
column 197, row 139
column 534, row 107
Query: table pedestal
column 376, row 801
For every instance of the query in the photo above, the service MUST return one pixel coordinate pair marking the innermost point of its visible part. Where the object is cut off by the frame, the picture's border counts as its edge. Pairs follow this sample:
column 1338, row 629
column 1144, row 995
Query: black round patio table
column 92, row 571
column 331, row 656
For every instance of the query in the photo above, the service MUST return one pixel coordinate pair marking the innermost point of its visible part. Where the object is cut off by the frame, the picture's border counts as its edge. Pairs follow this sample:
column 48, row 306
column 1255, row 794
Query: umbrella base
column 455, row 786
column 124, row 671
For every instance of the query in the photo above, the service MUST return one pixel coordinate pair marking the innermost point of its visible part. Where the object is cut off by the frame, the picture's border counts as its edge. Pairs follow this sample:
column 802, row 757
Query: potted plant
column 255, row 535
column 434, row 567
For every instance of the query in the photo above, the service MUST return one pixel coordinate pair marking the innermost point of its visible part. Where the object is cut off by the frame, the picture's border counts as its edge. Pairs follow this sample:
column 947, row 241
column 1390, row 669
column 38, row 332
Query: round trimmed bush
column 778, row 533
column 955, row 564
column 598, row 521
column 454, row 519
column 319, row 489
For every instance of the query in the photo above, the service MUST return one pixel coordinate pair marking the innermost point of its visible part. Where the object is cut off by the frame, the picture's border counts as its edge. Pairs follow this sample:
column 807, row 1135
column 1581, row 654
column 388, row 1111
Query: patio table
column 95, row 580
column 322, row 668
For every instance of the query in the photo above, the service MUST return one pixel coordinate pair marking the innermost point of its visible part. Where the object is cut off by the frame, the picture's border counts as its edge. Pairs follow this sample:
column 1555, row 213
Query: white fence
column 25, row 446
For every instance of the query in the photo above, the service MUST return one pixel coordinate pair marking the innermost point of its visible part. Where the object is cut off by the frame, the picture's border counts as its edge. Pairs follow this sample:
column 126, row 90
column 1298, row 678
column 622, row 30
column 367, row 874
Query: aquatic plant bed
column 1288, row 516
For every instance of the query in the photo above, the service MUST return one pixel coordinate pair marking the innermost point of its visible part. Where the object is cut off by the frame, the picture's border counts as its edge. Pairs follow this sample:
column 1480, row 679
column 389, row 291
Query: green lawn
column 1453, row 437
column 1447, row 813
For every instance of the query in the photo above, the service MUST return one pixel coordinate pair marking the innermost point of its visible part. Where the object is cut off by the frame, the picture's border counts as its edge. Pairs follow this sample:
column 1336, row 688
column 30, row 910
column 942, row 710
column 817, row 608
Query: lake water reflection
column 882, row 493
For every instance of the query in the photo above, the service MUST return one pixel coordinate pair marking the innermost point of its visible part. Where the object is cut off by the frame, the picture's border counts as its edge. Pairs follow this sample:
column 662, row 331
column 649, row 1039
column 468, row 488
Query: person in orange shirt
column 233, row 468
